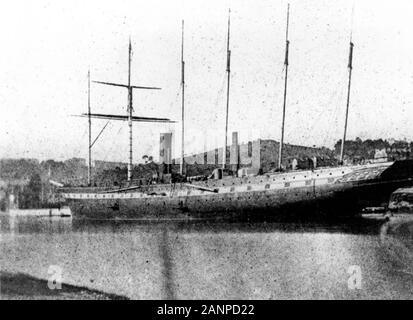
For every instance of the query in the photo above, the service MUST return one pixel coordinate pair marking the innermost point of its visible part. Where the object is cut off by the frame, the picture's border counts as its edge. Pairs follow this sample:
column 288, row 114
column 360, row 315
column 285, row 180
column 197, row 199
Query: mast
column 224, row 151
column 181, row 171
column 89, row 168
column 287, row 46
column 129, row 117
column 350, row 69
column 130, row 113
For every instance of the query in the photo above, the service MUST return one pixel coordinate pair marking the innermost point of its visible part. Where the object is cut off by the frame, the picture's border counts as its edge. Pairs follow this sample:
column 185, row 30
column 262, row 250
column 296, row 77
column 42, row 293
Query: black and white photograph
column 194, row 150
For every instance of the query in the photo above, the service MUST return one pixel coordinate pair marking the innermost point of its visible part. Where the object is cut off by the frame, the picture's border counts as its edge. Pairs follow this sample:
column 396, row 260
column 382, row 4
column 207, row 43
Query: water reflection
column 206, row 259
column 29, row 225
column 356, row 225
column 25, row 225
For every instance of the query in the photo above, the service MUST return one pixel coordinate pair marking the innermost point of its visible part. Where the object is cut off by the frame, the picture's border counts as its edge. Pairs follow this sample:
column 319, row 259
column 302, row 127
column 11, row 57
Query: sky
column 48, row 47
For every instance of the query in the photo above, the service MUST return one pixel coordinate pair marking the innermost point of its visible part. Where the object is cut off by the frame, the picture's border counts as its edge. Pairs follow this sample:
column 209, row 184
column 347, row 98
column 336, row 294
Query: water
column 211, row 260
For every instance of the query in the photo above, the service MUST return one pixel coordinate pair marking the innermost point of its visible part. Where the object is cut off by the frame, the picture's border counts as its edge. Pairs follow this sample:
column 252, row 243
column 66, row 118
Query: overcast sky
column 48, row 46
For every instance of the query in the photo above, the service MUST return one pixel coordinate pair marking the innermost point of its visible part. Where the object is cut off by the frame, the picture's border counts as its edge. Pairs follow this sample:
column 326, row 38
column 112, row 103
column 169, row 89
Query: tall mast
column 129, row 117
column 130, row 113
column 181, row 171
column 350, row 69
column 287, row 46
column 89, row 168
column 224, row 151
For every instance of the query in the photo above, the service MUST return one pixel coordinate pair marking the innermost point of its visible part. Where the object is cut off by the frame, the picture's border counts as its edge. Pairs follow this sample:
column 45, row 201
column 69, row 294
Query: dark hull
column 330, row 200
column 345, row 196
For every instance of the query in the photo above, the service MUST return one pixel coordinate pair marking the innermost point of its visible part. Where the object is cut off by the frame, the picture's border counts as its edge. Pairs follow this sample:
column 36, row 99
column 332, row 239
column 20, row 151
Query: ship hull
column 330, row 200
column 343, row 195
column 218, row 206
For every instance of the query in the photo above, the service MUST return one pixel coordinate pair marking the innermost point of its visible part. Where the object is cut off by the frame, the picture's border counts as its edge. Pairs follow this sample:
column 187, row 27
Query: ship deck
column 266, row 182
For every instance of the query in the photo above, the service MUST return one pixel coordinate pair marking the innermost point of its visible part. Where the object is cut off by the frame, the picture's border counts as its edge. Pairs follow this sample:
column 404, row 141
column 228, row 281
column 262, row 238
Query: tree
column 31, row 192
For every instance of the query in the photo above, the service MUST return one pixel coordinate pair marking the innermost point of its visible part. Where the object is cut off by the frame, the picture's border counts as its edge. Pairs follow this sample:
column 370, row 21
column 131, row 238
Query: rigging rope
column 101, row 131
column 339, row 96
column 113, row 144
column 219, row 102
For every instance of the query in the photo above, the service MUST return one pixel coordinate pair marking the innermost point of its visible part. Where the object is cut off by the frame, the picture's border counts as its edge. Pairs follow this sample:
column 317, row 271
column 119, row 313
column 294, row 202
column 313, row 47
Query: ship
column 328, row 191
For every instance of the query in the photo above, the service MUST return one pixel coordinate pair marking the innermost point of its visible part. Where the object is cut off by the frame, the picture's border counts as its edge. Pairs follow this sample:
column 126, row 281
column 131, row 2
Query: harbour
column 206, row 151
column 210, row 260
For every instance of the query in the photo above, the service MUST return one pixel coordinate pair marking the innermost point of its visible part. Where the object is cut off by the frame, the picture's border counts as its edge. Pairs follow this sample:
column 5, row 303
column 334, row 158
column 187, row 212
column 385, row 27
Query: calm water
column 206, row 260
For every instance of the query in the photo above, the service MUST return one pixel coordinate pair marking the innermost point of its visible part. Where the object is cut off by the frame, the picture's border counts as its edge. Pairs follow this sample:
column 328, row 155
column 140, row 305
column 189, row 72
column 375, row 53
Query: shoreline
column 20, row 286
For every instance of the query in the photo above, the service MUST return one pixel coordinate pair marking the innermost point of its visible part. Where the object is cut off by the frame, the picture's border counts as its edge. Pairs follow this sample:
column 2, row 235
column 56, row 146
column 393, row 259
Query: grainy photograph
column 206, row 150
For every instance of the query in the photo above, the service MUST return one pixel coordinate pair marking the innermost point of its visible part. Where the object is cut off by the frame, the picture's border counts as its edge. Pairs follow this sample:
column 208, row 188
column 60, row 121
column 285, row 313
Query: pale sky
column 48, row 46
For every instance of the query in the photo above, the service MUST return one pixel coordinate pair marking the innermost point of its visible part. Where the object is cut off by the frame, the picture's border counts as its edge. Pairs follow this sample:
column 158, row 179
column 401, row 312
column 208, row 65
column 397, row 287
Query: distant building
column 262, row 155
column 380, row 155
column 165, row 148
